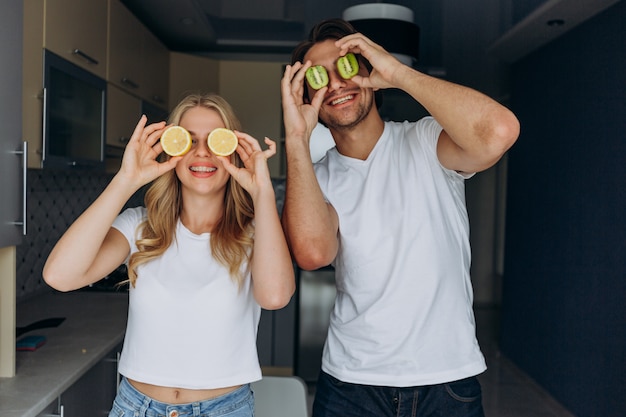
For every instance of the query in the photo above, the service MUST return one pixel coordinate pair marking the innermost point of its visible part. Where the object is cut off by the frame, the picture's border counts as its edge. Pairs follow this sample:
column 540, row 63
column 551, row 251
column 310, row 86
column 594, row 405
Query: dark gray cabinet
column 12, row 172
column 92, row 395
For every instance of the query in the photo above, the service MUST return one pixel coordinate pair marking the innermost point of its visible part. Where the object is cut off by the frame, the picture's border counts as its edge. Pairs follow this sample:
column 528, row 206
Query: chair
column 280, row 396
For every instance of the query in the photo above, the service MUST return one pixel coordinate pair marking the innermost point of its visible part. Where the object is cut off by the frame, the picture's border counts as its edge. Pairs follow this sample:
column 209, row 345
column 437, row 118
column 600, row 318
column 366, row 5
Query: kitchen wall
column 564, row 285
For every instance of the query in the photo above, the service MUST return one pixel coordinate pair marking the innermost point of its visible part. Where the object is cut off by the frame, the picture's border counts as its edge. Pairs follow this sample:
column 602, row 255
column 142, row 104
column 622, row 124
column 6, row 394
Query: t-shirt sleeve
column 127, row 223
column 429, row 130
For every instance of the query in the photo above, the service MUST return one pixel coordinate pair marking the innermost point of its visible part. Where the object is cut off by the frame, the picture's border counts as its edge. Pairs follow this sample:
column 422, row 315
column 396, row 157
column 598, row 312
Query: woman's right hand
column 139, row 163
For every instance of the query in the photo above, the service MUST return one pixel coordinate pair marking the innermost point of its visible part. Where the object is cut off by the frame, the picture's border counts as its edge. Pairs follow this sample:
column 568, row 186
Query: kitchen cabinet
column 32, row 81
column 123, row 113
column 92, row 394
column 74, row 30
column 12, row 186
column 125, row 45
column 77, row 31
column 12, row 173
column 77, row 365
column 137, row 62
column 156, row 58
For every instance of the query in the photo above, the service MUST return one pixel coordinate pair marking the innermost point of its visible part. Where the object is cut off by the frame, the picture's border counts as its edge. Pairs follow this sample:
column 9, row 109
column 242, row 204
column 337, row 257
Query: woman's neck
column 200, row 215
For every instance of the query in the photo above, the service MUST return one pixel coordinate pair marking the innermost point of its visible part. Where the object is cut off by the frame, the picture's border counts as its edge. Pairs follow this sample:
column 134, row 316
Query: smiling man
column 386, row 207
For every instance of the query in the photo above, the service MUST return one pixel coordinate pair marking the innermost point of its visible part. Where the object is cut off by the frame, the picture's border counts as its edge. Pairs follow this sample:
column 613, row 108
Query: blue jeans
column 131, row 403
column 334, row 398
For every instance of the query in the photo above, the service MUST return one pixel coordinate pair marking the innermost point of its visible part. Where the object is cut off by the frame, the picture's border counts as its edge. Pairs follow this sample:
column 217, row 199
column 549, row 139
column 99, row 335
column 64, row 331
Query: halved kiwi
column 348, row 66
column 317, row 77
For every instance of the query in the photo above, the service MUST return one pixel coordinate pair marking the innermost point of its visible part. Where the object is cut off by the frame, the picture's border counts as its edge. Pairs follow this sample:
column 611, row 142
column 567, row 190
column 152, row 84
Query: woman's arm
column 273, row 280
column 90, row 248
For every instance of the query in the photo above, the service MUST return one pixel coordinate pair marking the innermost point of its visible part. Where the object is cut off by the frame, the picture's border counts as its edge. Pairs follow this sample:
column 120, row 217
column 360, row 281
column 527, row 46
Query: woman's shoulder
column 139, row 213
column 130, row 218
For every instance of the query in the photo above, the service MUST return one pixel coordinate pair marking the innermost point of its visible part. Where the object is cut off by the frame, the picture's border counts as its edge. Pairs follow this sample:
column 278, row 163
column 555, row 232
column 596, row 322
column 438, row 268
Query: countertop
column 94, row 324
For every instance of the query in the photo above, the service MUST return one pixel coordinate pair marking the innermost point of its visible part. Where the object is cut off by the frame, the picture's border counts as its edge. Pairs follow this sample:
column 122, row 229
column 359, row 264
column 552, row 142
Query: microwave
column 74, row 116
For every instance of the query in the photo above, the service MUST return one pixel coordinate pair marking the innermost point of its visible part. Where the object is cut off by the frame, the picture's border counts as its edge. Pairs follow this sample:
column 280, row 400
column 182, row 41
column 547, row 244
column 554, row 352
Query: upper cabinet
column 77, row 31
column 156, row 64
column 137, row 62
column 102, row 37
column 124, row 63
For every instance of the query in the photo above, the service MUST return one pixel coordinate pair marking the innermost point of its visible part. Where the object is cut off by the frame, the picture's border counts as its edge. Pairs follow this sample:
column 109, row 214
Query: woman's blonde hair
column 232, row 237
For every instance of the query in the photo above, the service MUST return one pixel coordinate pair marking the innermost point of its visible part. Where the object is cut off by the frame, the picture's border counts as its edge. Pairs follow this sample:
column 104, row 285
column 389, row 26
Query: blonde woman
column 204, row 256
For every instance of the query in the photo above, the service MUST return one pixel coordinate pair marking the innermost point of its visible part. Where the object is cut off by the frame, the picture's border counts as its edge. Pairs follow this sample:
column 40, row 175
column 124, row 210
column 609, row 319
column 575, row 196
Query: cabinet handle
column 86, row 57
column 61, row 413
column 24, row 153
column 124, row 139
column 116, row 361
column 157, row 99
column 130, row 83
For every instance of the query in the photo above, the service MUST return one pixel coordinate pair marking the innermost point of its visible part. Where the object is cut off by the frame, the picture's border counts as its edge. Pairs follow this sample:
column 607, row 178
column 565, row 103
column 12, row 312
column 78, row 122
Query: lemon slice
column 222, row 141
column 176, row 141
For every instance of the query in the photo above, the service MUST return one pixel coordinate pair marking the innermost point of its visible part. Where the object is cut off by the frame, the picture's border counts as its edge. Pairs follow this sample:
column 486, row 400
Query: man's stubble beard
column 340, row 124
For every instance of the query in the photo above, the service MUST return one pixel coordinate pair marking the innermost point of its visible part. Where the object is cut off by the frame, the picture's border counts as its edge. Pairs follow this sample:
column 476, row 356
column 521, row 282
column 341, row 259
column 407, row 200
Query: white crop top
column 189, row 325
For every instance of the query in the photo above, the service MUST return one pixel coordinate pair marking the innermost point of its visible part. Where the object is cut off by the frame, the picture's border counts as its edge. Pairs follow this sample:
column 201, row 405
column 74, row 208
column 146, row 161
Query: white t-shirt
column 403, row 312
column 189, row 325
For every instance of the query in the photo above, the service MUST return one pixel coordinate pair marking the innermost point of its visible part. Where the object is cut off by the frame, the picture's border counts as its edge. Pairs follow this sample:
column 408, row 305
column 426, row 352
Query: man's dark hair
column 322, row 31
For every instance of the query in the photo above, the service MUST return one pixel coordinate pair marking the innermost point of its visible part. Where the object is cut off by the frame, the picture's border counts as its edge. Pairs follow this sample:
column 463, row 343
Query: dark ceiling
column 456, row 37
column 259, row 26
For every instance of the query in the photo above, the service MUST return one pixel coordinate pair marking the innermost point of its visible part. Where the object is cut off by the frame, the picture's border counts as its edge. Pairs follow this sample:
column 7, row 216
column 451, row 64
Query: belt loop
column 196, row 409
column 144, row 406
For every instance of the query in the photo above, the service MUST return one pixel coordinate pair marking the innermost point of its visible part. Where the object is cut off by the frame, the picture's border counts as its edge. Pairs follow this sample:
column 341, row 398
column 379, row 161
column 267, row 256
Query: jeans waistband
column 150, row 407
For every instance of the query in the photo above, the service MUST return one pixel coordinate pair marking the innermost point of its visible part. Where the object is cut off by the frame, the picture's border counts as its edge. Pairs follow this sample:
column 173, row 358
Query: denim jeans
column 334, row 398
column 131, row 403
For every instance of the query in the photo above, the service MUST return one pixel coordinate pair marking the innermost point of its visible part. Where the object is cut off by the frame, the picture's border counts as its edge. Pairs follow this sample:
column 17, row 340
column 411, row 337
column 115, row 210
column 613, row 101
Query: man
column 386, row 208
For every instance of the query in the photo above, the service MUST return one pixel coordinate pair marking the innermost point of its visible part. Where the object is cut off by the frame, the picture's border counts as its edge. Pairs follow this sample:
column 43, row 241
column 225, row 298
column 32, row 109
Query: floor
column 507, row 391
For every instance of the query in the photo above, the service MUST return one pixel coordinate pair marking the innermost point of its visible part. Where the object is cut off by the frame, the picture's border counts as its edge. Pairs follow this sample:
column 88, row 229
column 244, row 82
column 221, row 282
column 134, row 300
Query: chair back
column 280, row 396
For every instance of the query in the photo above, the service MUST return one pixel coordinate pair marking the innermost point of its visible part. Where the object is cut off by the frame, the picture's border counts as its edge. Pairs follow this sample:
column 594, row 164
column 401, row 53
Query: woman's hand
column 139, row 163
column 254, row 175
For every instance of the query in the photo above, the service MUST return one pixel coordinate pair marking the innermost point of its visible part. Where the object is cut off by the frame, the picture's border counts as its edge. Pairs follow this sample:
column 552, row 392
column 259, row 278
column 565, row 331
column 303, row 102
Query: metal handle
column 24, row 153
column 85, row 56
column 116, row 361
column 158, row 99
column 124, row 139
column 61, row 413
column 130, row 83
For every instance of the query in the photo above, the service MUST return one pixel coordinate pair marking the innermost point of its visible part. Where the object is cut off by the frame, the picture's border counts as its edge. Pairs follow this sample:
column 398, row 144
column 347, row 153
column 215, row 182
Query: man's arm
column 310, row 223
column 477, row 130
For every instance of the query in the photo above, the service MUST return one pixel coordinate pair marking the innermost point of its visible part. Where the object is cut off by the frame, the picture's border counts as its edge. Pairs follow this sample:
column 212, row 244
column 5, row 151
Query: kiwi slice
column 348, row 66
column 317, row 77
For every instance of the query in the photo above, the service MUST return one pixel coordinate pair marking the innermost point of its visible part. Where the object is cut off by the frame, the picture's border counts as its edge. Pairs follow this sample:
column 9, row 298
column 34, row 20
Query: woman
column 204, row 256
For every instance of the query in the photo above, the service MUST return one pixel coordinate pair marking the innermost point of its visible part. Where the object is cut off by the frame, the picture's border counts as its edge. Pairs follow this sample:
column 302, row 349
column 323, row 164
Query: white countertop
column 94, row 324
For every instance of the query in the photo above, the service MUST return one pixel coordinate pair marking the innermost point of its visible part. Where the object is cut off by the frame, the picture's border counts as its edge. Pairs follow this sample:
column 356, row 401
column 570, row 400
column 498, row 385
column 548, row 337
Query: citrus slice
column 176, row 141
column 222, row 141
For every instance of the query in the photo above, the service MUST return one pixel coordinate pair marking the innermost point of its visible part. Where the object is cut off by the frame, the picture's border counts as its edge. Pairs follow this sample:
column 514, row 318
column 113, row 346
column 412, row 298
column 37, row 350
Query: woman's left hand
column 254, row 175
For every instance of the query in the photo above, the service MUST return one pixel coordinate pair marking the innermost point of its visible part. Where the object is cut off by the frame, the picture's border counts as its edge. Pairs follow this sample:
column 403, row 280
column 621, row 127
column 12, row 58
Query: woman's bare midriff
column 173, row 395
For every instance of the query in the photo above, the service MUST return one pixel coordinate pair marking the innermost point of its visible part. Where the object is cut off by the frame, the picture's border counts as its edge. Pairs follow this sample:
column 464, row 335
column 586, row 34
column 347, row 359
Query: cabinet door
column 11, row 121
column 123, row 113
column 94, row 392
column 155, row 70
column 77, row 31
column 125, row 48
